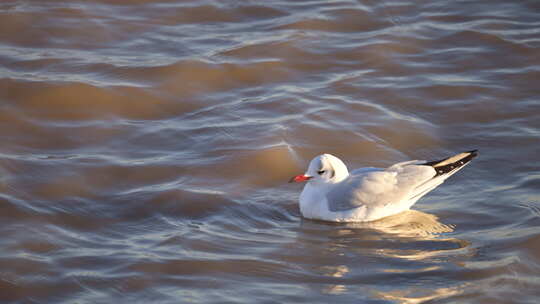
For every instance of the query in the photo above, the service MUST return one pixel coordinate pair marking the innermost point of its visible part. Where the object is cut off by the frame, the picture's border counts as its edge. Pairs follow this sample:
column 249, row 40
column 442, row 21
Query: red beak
column 300, row 178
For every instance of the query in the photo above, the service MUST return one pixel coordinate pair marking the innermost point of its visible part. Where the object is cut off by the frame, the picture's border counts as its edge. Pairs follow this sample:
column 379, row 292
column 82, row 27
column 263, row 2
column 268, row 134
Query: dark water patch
column 78, row 101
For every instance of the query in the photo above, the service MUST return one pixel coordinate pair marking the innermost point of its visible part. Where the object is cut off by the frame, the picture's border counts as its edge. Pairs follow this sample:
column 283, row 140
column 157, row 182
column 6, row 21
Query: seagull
column 334, row 194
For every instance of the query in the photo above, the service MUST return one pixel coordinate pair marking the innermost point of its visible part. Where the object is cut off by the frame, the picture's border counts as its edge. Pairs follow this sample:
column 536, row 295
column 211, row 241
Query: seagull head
column 325, row 168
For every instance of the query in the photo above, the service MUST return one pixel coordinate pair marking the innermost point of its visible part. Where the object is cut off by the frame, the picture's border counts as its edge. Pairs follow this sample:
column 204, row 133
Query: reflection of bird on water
column 411, row 236
column 410, row 223
column 414, row 235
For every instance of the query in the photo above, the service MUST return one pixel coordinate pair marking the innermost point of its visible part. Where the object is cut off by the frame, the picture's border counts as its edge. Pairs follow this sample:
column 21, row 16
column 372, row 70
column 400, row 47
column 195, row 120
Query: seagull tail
column 448, row 166
column 444, row 169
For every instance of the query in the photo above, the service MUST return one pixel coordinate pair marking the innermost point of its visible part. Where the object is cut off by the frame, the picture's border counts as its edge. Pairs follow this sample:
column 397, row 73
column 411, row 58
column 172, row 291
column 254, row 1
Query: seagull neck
column 340, row 176
column 340, row 171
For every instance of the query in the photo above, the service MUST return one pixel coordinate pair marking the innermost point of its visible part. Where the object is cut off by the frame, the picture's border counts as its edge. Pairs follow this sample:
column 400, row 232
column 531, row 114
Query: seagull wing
column 379, row 188
column 406, row 181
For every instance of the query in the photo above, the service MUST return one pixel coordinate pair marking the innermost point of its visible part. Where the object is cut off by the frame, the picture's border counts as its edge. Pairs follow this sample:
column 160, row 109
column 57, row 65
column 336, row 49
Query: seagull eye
column 321, row 172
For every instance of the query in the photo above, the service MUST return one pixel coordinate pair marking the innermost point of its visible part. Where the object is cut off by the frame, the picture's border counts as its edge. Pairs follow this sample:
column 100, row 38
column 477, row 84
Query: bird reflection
column 336, row 272
column 419, row 295
column 410, row 223
column 347, row 249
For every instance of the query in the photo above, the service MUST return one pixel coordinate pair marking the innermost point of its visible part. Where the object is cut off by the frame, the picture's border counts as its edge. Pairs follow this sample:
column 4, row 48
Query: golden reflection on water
column 338, row 271
column 419, row 226
column 410, row 223
column 419, row 295
column 408, row 226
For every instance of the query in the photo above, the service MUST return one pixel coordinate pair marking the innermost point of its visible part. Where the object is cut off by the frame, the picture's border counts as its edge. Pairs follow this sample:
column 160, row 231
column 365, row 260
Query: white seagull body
column 367, row 194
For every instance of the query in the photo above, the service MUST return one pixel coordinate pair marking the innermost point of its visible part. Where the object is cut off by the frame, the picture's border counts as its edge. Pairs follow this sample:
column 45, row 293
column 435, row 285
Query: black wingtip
column 448, row 168
column 474, row 153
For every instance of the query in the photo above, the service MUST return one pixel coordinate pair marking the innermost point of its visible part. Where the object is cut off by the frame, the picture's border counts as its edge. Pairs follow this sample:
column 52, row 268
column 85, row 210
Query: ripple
column 147, row 145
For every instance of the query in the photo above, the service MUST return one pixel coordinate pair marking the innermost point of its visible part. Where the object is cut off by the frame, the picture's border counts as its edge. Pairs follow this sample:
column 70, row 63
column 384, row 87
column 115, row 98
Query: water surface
column 146, row 147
